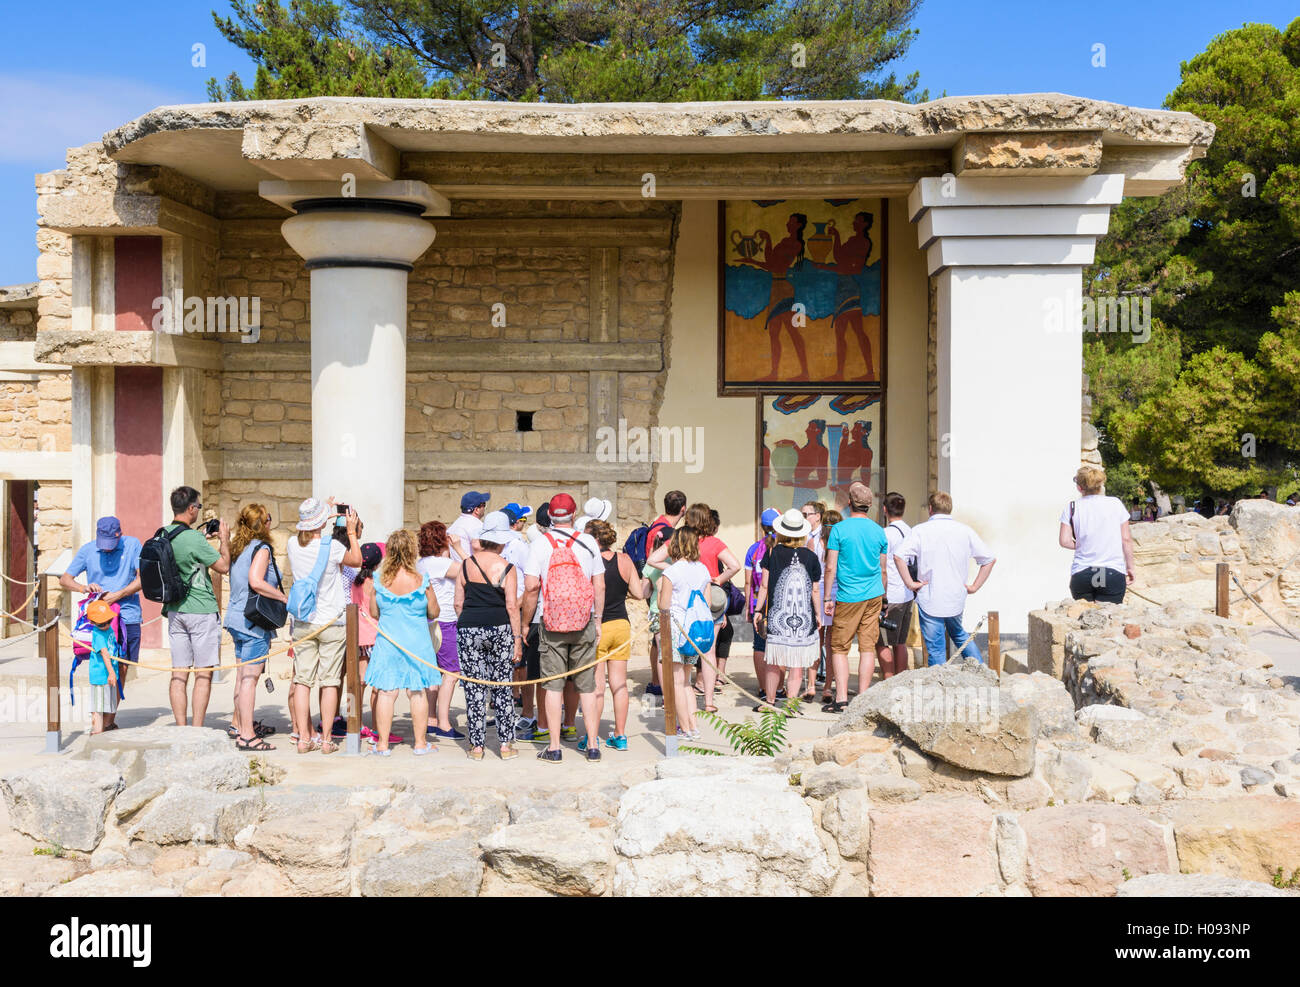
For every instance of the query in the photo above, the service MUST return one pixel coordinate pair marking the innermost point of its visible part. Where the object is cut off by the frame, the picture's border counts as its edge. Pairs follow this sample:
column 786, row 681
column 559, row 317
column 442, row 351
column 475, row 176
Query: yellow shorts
column 615, row 638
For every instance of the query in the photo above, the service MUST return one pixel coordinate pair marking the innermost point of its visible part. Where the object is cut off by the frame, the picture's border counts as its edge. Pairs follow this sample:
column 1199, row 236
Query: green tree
column 573, row 50
column 1217, row 257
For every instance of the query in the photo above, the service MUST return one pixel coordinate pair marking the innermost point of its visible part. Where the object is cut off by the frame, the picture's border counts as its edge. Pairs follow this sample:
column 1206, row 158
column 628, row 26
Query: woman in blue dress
column 404, row 604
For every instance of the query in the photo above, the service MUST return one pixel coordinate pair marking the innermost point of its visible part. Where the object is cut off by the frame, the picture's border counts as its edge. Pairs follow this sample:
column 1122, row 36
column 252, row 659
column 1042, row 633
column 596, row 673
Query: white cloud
column 43, row 114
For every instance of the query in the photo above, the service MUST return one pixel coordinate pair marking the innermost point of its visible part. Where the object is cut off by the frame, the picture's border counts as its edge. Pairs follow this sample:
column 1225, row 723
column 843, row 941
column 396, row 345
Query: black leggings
column 1099, row 585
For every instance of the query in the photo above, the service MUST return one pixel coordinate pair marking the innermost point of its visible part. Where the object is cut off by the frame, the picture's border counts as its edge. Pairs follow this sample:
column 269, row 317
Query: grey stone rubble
column 1165, row 733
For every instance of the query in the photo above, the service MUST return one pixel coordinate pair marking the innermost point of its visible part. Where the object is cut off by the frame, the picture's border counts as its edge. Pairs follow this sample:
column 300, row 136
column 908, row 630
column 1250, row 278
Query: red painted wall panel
column 138, row 439
column 137, row 280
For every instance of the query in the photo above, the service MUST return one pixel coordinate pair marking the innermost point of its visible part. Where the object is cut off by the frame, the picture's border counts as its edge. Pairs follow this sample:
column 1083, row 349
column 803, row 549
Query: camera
column 889, row 625
column 211, row 527
column 341, row 523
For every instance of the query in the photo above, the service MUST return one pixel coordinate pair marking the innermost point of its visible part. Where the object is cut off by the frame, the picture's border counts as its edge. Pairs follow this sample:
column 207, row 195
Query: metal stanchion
column 1221, row 589
column 48, row 648
column 995, row 644
column 666, row 680
column 353, row 743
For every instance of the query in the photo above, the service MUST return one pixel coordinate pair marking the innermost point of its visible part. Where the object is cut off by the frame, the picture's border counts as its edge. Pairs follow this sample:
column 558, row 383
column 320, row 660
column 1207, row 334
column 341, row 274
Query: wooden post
column 1221, row 589
column 995, row 644
column 47, row 643
column 666, row 680
column 353, row 673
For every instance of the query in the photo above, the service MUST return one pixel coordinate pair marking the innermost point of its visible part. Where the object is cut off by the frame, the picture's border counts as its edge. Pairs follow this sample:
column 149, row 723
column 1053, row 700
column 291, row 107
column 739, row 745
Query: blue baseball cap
column 472, row 500
column 108, row 531
column 769, row 516
column 516, row 511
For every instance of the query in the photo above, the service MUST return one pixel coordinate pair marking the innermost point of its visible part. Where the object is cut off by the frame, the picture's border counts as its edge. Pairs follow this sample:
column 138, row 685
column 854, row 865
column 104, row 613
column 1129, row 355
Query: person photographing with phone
column 193, row 627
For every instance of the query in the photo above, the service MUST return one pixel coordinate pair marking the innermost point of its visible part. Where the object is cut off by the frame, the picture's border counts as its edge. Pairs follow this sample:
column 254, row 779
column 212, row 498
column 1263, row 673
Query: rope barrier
column 496, row 685
column 1285, row 630
column 239, row 664
column 20, row 582
column 22, row 607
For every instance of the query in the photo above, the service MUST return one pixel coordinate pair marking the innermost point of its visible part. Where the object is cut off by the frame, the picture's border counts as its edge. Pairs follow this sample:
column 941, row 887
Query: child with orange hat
column 104, row 653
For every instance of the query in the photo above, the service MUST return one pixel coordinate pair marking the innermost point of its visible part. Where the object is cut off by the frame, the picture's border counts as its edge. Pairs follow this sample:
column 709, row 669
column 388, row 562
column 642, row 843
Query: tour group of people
column 513, row 595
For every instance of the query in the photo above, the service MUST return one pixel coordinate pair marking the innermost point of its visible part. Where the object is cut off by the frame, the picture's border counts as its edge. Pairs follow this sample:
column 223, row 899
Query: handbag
column 263, row 611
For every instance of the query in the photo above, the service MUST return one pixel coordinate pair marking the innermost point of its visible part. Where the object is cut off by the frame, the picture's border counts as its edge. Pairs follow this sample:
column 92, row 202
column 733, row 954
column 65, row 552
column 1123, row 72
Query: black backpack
column 160, row 576
column 913, row 564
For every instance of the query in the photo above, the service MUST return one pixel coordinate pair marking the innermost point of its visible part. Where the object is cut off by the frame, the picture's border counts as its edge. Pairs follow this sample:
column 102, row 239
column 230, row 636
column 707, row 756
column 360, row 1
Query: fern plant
column 766, row 738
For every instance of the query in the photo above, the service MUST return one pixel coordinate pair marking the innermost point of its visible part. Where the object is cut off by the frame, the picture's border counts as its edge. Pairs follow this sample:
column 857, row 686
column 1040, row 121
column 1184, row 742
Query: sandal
column 808, row 697
column 475, row 753
column 508, row 752
column 313, row 745
column 328, row 747
column 252, row 744
column 710, row 709
column 834, row 707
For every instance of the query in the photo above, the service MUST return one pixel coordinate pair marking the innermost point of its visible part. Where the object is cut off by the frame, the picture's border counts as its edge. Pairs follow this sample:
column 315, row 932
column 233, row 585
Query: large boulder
column 192, row 815
column 313, row 851
column 1086, row 850
column 1247, row 837
column 955, row 712
column 937, row 847
column 1049, row 699
column 1117, row 727
column 64, row 802
column 1195, row 886
column 444, row 869
column 126, row 883
column 446, row 813
column 562, row 855
column 717, row 836
column 1269, row 533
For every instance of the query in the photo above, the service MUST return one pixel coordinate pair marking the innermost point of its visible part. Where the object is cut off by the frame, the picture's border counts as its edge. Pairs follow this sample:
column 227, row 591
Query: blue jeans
column 249, row 646
column 934, row 631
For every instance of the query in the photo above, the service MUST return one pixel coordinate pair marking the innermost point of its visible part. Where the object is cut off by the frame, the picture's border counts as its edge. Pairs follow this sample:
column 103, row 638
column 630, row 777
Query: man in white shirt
column 564, row 651
column 463, row 532
column 898, row 598
column 943, row 549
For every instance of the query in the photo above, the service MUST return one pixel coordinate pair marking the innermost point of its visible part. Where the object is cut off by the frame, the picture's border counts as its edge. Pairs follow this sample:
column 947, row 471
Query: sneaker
column 452, row 734
column 550, row 756
column 582, row 745
column 695, row 735
column 616, row 743
column 593, row 754
column 569, row 734
column 541, row 736
column 654, row 690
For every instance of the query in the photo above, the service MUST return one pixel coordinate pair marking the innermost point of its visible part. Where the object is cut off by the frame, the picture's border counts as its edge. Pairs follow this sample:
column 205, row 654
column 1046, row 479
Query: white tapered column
column 1007, row 256
column 359, row 252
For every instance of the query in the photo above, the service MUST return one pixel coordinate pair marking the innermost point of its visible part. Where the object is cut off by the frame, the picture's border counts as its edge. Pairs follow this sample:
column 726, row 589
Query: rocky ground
column 1163, row 761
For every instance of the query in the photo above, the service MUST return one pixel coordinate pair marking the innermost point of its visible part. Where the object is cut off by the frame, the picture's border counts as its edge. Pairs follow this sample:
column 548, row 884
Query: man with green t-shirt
column 193, row 627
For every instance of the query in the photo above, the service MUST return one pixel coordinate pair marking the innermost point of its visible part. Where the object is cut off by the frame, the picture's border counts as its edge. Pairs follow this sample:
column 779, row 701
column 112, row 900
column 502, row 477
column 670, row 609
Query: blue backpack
column 302, row 594
column 640, row 544
column 695, row 637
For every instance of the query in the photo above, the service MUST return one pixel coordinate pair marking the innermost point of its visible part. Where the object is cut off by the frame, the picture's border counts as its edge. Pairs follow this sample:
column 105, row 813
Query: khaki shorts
column 615, row 640
column 564, row 652
column 860, row 620
column 320, row 660
column 194, row 639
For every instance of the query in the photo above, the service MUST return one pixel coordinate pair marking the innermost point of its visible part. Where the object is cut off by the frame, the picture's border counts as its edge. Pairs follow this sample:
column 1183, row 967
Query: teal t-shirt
column 193, row 556
column 102, row 640
column 860, row 542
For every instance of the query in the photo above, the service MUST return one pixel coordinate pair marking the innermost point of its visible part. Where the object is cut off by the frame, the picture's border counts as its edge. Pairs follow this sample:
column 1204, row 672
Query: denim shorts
column 249, row 646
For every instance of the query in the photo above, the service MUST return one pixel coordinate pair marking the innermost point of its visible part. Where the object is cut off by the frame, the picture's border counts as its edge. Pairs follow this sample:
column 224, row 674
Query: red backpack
column 567, row 596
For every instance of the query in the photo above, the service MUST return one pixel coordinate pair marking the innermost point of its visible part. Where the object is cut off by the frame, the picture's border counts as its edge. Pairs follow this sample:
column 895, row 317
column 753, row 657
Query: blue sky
column 117, row 61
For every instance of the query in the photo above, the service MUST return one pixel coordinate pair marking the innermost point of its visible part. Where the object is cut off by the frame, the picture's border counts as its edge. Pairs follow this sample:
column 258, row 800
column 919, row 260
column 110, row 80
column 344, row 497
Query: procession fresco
column 814, row 446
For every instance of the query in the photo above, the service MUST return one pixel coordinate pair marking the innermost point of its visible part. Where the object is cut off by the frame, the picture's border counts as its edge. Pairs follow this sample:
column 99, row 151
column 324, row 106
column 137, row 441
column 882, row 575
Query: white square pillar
column 1007, row 256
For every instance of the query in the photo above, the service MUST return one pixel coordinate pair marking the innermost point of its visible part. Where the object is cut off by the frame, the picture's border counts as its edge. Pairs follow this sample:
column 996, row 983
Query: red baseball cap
column 562, row 507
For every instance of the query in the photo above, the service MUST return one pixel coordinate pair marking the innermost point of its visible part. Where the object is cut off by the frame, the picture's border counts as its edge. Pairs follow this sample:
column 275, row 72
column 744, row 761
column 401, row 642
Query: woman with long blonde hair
column 405, row 654
column 252, row 557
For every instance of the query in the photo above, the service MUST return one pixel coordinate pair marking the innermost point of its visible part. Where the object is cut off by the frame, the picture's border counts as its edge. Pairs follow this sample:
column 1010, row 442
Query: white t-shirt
column 435, row 567
column 331, row 595
column 1097, row 541
column 686, row 577
column 467, row 528
column 895, row 590
column 539, row 558
column 515, row 551
column 943, row 549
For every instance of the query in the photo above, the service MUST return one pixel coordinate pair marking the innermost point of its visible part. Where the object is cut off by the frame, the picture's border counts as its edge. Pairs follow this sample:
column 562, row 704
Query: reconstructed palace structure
column 395, row 301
